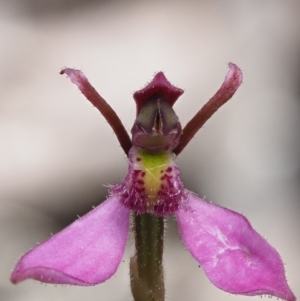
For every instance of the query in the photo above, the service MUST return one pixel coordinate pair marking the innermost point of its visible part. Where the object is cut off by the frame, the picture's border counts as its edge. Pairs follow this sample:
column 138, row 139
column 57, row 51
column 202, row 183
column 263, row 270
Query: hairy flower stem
column 146, row 269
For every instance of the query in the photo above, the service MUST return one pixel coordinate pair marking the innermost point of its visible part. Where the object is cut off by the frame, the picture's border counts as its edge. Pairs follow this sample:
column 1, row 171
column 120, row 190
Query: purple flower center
column 152, row 184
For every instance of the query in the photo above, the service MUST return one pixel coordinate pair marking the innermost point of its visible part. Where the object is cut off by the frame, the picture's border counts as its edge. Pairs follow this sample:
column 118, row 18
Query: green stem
column 146, row 270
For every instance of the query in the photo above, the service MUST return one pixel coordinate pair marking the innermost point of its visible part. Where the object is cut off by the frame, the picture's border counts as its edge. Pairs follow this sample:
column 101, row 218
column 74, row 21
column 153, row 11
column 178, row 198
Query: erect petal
column 79, row 79
column 87, row 252
column 230, row 85
column 233, row 255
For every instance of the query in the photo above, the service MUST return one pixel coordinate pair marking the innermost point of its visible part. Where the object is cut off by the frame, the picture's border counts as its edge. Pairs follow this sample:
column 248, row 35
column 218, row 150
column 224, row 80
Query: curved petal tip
column 76, row 77
column 234, row 75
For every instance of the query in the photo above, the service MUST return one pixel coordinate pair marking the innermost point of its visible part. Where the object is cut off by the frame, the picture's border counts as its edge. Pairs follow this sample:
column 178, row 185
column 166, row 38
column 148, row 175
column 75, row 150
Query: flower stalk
column 146, row 268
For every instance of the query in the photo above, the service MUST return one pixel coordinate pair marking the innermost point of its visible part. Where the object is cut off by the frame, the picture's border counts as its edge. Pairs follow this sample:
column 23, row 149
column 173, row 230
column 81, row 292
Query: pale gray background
column 57, row 151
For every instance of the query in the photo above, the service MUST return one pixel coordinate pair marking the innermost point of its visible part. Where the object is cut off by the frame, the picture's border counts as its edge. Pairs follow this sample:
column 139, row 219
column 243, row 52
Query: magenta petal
column 87, row 252
column 233, row 255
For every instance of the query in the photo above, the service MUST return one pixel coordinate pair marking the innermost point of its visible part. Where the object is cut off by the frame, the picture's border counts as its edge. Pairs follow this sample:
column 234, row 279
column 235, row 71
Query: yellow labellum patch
column 153, row 169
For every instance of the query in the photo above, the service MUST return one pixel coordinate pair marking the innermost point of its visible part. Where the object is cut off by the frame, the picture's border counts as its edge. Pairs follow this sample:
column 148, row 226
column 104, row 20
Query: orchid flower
column 232, row 254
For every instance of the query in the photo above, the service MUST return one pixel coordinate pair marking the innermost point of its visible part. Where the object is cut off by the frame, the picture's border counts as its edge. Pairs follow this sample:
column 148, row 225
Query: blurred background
column 57, row 152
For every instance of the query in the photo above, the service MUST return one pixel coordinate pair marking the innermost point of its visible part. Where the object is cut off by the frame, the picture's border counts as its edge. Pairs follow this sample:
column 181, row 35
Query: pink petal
column 233, row 255
column 87, row 252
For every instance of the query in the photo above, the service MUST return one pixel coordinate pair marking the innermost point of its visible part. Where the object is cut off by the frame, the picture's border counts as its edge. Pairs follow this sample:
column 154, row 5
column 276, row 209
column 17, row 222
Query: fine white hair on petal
column 233, row 255
column 85, row 253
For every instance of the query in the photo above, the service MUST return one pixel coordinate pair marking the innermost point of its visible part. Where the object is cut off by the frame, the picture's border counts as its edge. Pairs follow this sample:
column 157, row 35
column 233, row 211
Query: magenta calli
column 232, row 254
